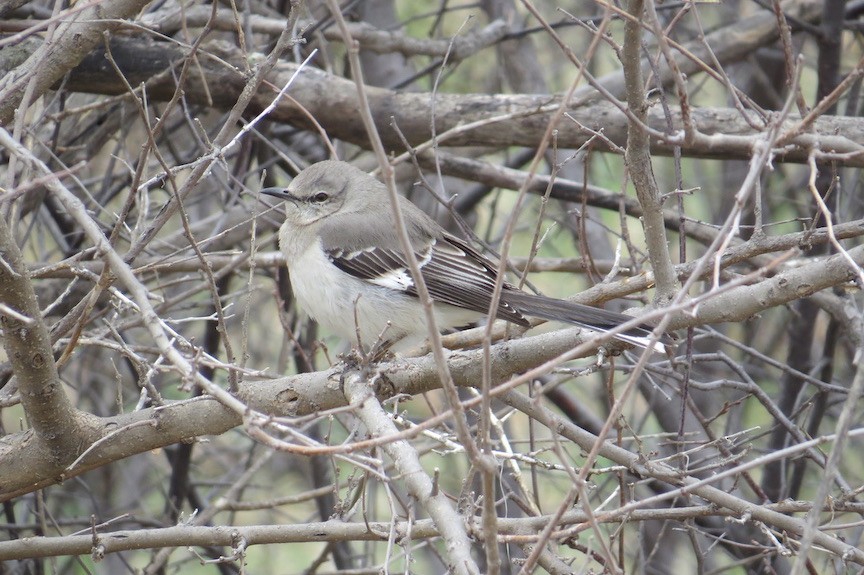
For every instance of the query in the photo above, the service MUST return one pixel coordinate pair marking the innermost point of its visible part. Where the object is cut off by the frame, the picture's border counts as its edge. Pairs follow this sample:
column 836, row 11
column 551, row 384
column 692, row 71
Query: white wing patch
column 399, row 280
column 382, row 267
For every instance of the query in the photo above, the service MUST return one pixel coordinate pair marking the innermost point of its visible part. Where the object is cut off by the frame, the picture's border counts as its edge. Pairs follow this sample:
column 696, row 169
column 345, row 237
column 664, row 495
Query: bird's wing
column 458, row 275
column 454, row 272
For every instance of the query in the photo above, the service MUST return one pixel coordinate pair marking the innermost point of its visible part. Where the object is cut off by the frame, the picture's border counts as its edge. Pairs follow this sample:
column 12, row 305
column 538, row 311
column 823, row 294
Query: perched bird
column 348, row 270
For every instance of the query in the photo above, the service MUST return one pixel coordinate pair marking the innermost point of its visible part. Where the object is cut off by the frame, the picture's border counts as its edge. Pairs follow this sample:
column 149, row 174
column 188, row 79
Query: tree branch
column 637, row 158
column 58, row 425
column 72, row 40
column 522, row 529
column 461, row 119
column 359, row 391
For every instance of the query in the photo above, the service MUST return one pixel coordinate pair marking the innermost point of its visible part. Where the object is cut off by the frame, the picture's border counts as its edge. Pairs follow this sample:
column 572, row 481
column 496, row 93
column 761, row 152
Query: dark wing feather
column 458, row 275
column 454, row 273
column 381, row 266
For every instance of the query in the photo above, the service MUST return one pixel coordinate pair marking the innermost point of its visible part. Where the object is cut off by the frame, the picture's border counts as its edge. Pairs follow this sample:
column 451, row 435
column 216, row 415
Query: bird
column 348, row 270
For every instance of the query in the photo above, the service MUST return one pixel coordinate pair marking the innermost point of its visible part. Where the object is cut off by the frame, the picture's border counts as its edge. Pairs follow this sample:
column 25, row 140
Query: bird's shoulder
column 373, row 251
column 357, row 232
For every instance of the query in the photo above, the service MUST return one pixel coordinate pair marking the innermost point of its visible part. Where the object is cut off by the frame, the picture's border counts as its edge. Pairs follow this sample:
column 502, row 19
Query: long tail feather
column 583, row 316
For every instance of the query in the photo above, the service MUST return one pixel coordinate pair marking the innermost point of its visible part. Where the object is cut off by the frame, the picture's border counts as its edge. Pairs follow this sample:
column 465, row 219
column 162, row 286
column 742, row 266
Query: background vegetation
column 166, row 407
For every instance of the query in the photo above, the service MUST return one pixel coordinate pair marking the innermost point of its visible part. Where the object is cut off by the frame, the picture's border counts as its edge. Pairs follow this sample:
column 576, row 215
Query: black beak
column 281, row 193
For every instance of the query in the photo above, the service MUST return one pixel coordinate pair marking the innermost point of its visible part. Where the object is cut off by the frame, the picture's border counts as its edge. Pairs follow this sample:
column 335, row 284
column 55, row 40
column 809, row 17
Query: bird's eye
column 320, row 197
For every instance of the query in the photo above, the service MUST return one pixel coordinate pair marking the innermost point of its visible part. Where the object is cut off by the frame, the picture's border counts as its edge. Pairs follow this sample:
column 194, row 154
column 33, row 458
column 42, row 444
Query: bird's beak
column 281, row 193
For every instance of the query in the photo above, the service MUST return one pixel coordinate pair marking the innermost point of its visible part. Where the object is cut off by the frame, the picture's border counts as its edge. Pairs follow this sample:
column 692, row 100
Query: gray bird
column 348, row 271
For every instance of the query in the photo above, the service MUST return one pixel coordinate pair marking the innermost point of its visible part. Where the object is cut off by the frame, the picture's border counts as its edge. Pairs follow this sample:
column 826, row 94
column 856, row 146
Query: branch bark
column 332, row 531
column 461, row 119
column 637, row 158
column 74, row 38
column 57, row 424
column 359, row 392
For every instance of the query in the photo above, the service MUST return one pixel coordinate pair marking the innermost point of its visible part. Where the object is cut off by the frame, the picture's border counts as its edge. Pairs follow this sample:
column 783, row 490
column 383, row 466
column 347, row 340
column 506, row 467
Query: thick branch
column 74, row 38
column 496, row 120
column 171, row 19
column 206, row 416
column 28, row 347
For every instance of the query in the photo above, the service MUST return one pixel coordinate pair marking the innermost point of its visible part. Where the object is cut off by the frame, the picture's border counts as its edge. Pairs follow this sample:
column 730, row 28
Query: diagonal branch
column 359, row 393
column 73, row 39
column 28, row 347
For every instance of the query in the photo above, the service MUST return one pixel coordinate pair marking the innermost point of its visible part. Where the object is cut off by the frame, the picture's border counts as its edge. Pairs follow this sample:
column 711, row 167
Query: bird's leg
column 357, row 328
column 359, row 361
column 359, row 358
column 381, row 349
column 602, row 354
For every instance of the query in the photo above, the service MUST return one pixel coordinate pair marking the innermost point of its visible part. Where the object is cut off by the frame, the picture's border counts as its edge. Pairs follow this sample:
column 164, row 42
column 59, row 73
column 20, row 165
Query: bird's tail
column 584, row 316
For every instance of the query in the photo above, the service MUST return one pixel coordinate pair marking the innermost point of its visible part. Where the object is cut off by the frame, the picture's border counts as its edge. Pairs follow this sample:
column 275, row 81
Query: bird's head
column 320, row 190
